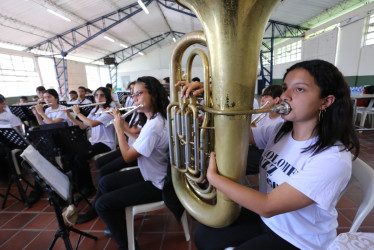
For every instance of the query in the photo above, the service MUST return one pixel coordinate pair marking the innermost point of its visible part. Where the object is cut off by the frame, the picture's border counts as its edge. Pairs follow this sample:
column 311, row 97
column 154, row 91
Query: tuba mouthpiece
column 282, row 108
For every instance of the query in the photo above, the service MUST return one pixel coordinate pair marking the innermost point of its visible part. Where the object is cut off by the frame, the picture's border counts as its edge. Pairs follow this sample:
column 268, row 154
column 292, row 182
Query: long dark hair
column 108, row 97
column 159, row 98
column 336, row 123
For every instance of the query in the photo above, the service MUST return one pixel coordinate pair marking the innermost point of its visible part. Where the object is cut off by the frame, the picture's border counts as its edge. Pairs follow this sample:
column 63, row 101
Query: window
column 48, row 73
column 97, row 76
column 369, row 36
column 18, row 75
column 288, row 53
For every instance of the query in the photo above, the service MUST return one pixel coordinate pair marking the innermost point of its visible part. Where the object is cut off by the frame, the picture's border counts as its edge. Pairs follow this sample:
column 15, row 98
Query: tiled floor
column 34, row 228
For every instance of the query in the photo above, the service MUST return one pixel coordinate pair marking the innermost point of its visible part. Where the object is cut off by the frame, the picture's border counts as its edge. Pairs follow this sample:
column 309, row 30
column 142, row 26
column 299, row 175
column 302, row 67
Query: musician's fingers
column 192, row 87
column 181, row 83
column 198, row 92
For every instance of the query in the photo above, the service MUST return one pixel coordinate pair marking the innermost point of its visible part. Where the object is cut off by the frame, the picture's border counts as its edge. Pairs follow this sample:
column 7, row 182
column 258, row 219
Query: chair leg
column 363, row 118
column 130, row 228
column 185, row 226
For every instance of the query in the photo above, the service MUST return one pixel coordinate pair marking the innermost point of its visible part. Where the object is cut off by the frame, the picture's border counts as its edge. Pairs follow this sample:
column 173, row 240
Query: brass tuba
column 233, row 31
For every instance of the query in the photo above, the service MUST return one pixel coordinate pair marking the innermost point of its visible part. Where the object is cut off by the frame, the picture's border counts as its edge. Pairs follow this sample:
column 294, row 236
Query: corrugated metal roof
column 27, row 22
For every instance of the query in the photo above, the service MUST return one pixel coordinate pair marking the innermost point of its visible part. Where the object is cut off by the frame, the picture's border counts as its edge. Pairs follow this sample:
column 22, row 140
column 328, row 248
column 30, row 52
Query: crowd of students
column 304, row 159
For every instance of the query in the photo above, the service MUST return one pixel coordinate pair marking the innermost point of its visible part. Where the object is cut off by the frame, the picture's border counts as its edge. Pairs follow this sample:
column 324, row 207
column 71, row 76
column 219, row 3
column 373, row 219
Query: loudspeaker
column 109, row 60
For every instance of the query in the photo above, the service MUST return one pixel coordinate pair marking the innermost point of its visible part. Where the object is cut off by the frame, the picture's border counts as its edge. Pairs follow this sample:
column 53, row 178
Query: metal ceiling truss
column 172, row 5
column 278, row 30
column 113, row 75
column 127, row 53
column 68, row 41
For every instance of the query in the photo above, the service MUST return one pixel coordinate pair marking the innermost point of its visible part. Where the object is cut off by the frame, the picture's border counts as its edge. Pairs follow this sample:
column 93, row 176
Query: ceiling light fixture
column 143, row 6
column 109, row 39
column 17, row 47
column 140, row 53
column 59, row 15
column 175, row 40
column 123, row 45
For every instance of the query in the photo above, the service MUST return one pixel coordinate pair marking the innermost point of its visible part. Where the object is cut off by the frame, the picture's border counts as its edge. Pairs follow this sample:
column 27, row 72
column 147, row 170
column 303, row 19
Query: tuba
column 233, row 31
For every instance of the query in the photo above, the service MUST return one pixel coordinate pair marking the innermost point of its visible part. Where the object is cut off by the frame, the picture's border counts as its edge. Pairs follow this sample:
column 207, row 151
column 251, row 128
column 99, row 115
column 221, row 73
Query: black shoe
column 34, row 196
column 85, row 193
column 107, row 232
column 83, row 218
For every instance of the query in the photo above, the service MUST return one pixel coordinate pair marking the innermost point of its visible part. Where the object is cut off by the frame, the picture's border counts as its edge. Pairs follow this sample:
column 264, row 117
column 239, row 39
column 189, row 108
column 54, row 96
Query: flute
column 38, row 104
column 81, row 106
column 126, row 114
column 261, row 116
column 111, row 109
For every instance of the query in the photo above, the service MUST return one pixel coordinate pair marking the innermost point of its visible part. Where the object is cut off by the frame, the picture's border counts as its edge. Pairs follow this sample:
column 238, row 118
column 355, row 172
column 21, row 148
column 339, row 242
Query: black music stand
column 24, row 113
column 121, row 94
column 90, row 97
column 57, row 185
column 86, row 110
column 54, row 141
column 62, row 103
column 13, row 142
column 69, row 140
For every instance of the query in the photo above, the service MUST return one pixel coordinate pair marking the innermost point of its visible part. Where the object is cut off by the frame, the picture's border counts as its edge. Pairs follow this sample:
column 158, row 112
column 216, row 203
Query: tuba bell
column 233, row 31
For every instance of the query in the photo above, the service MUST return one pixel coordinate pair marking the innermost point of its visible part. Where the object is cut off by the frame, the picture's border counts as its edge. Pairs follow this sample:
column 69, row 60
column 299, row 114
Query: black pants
column 80, row 167
column 253, row 160
column 111, row 163
column 117, row 191
column 247, row 232
column 4, row 166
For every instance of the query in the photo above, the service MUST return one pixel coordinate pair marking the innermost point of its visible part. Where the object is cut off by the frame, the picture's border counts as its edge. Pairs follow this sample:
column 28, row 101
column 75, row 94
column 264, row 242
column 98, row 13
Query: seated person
column 151, row 152
column 101, row 141
column 306, row 165
column 39, row 92
column 8, row 120
column 73, row 95
column 271, row 95
column 23, row 100
column 50, row 115
column 81, row 99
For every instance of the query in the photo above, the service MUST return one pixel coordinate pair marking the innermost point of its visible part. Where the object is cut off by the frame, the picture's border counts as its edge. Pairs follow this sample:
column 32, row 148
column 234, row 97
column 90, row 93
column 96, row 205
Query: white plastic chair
column 364, row 112
column 133, row 210
column 364, row 174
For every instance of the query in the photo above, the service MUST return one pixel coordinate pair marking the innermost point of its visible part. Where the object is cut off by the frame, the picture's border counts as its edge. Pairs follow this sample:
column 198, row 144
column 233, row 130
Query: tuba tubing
column 233, row 31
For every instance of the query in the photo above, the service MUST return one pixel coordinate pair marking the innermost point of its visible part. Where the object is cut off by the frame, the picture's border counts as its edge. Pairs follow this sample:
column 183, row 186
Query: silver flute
column 43, row 105
column 260, row 116
column 135, row 108
column 81, row 106
column 111, row 109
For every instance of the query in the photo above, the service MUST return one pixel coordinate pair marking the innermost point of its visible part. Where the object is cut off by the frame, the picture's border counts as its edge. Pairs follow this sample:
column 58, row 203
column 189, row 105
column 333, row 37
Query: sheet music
column 57, row 180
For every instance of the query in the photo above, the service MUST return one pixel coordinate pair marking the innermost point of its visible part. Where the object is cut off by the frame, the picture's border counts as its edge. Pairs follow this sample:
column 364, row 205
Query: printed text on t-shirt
column 271, row 162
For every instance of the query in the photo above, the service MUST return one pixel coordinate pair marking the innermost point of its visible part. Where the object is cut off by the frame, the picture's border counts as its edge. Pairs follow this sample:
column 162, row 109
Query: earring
column 321, row 114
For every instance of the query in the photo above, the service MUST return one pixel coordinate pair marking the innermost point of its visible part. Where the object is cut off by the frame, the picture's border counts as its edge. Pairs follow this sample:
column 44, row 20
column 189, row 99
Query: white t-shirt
column 101, row 133
column 133, row 120
column 255, row 104
column 56, row 115
column 113, row 104
column 153, row 145
column 321, row 177
column 129, row 102
column 7, row 118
